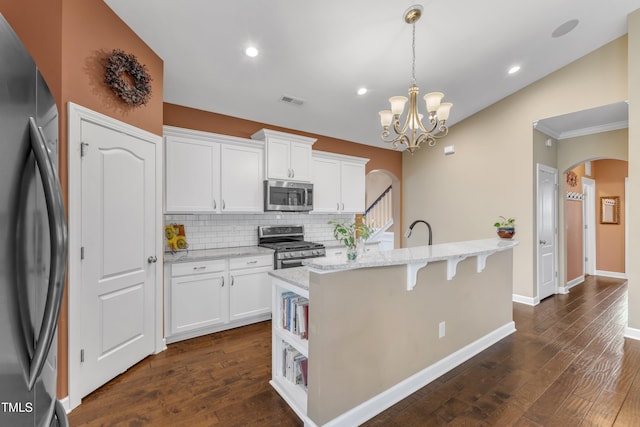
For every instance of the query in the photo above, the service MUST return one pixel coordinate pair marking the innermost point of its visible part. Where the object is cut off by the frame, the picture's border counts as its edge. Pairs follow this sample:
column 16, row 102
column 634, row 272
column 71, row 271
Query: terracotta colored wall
column 573, row 227
column 70, row 57
column 610, row 238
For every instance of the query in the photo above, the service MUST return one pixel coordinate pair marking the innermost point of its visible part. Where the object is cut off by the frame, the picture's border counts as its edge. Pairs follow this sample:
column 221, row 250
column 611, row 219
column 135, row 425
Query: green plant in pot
column 350, row 233
column 506, row 227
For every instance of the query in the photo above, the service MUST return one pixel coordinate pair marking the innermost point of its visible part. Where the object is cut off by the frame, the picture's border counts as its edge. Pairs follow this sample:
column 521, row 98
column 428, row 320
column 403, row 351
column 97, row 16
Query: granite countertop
column 336, row 244
column 297, row 276
column 212, row 254
column 415, row 255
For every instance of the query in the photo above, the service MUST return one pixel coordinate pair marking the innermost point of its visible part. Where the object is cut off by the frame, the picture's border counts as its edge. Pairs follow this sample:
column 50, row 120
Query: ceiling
column 322, row 52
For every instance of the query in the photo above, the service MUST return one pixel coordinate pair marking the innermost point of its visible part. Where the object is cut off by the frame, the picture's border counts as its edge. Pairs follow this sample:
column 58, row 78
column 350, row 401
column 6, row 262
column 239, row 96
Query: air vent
column 291, row 100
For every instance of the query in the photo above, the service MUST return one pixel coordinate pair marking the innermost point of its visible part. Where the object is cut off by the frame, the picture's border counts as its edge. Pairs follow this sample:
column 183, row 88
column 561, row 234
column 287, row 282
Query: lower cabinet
column 213, row 295
column 250, row 290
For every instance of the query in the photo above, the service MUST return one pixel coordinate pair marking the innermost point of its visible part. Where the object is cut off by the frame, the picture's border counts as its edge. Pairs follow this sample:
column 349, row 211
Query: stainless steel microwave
column 288, row 196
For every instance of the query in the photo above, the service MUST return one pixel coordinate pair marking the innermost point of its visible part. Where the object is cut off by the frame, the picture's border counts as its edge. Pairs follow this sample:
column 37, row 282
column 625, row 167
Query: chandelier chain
column 413, row 50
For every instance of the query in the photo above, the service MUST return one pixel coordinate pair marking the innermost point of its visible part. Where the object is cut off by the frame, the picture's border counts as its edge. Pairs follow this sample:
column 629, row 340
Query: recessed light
column 514, row 69
column 362, row 91
column 251, row 52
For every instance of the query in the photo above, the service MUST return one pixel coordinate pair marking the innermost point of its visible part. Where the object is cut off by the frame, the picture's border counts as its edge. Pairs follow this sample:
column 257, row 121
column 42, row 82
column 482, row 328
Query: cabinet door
column 192, row 178
column 198, row 301
column 326, row 185
column 278, row 160
column 241, row 169
column 353, row 183
column 300, row 155
column 250, row 293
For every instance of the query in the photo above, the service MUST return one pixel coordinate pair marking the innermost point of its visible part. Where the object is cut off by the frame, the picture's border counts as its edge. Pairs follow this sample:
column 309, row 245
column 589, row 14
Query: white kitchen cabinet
column 250, row 290
column 213, row 295
column 198, row 296
column 339, row 183
column 241, row 170
column 207, row 172
column 287, row 156
column 192, row 181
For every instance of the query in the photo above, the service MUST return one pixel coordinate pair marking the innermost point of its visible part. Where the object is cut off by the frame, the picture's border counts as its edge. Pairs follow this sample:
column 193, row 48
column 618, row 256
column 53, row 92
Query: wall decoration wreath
column 128, row 78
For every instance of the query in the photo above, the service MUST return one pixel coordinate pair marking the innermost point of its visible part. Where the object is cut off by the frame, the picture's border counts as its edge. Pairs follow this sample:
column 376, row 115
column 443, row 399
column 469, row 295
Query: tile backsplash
column 212, row 231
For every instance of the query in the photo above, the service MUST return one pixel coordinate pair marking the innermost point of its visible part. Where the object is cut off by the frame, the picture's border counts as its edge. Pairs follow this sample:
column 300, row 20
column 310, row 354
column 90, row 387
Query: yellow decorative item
column 176, row 238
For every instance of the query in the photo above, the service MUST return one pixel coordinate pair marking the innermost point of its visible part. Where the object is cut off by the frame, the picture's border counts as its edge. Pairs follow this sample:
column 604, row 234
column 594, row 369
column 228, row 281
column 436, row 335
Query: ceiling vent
column 292, row 100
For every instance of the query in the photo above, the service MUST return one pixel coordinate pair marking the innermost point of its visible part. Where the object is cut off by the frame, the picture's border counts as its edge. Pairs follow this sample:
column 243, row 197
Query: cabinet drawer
column 251, row 262
column 186, row 268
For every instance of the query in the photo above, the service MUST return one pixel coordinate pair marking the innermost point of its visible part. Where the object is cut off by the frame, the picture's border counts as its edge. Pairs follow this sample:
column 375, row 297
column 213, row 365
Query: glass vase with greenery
column 349, row 234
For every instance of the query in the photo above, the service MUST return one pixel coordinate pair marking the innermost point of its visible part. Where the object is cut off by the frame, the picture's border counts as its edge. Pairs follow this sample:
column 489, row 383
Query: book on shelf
column 294, row 365
column 294, row 311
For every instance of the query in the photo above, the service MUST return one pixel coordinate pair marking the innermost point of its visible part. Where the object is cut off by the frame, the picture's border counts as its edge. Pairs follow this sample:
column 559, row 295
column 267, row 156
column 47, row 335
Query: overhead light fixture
column 362, row 91
column 414, row 132
column 514, row 69
column 251, row 52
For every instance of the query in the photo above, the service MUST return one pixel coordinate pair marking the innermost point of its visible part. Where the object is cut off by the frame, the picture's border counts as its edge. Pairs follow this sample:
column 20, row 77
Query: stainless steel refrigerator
column 33, row 241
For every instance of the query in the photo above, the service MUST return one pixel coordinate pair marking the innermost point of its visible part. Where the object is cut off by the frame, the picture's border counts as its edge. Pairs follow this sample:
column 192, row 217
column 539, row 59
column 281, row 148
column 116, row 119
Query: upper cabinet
column 207, row 172
column 192, row 178
column 339, row 183
column 287, row 156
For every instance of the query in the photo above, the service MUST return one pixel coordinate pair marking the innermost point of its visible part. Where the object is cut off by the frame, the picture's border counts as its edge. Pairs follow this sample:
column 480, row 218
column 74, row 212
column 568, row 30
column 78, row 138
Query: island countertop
column 416, row 257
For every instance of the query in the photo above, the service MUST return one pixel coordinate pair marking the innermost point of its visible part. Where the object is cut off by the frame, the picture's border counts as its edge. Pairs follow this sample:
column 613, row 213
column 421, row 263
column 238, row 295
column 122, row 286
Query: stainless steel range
column 289, row 245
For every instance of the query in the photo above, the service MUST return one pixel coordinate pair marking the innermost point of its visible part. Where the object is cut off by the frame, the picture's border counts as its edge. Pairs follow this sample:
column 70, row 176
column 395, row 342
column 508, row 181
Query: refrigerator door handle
column 58, row 242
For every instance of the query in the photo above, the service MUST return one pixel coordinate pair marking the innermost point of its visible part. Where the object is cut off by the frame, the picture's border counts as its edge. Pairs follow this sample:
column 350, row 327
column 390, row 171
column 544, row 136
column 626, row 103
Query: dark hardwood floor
column 568, row 364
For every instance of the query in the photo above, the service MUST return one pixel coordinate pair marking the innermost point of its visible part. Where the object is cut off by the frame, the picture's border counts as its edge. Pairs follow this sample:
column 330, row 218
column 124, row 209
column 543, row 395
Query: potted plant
column 350, row 233
column 506, row 227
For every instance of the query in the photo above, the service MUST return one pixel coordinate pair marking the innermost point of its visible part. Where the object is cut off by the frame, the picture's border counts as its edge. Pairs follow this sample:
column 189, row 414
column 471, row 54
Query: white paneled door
column 547, row 231
column 118, row 199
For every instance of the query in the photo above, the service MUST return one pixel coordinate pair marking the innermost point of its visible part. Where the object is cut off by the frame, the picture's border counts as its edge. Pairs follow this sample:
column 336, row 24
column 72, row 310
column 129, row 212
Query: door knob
column 152, row 259
column 543, row 242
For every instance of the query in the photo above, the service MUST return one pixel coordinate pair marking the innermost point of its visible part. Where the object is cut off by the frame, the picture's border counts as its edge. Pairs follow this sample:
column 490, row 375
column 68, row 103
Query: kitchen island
column 383, row 326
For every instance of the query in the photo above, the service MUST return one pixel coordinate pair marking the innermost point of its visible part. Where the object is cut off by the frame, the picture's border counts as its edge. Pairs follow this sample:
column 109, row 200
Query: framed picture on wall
column 610, row 210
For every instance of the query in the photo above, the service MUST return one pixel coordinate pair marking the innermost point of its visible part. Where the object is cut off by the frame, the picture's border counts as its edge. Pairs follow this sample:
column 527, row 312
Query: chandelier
column 414, row 132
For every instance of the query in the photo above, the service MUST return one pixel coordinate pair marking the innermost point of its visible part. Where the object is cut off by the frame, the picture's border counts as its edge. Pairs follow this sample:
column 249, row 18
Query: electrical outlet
column 441, row 330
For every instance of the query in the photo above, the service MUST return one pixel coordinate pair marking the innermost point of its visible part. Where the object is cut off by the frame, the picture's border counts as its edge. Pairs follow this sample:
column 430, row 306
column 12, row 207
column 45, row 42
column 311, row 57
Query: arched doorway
column 383, row 207
column 595, row 243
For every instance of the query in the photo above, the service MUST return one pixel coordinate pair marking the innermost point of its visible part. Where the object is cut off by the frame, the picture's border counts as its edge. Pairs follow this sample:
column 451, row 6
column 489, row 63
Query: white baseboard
column 570, row 284
column 613, row 274
column 632, row 333
column 525, row 300
column 65, row 404
column 393, row 395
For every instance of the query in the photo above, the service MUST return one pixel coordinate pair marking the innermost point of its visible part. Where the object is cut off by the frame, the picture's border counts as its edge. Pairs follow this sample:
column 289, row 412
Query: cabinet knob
column 152, row 259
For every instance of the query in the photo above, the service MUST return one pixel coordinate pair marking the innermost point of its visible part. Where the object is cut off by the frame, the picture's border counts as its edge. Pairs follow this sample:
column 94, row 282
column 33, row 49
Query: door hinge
column 83, row 148
column 82, row 356
column 82, row 252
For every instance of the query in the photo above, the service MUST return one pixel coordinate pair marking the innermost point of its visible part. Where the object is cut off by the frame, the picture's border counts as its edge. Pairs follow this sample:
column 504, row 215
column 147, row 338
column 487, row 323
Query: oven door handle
column 291, row 261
